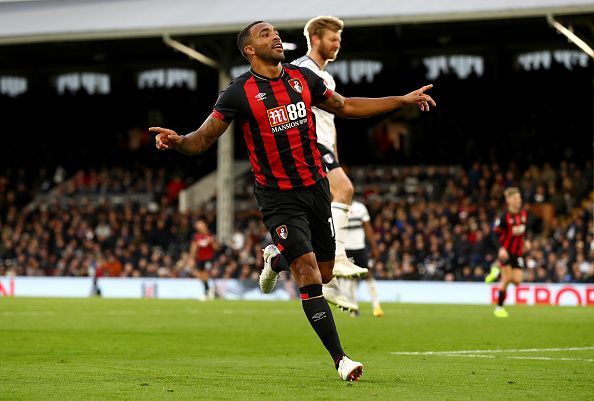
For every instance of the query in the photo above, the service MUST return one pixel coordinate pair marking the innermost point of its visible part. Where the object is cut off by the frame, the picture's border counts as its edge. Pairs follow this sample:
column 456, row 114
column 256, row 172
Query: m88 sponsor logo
column 287, row 116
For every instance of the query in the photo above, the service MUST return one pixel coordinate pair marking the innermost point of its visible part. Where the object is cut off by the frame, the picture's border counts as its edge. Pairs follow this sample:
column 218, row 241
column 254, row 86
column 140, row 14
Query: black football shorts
column 299, row 220
column 516, row 262
column 359, row 256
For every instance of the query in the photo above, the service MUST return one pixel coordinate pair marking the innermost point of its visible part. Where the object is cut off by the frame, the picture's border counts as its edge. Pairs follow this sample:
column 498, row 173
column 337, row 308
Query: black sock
column 279, row 264
column 206, row 287
column 501, row 297
column 320, row 317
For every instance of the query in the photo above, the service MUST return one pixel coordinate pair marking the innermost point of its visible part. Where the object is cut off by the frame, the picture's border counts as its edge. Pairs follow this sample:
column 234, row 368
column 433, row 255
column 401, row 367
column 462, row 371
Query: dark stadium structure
column 505, row 114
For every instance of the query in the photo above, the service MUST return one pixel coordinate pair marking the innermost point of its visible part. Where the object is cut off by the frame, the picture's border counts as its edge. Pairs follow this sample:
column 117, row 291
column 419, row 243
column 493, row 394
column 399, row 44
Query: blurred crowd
column 431, row 223
column 164, row 185
column 435, row 223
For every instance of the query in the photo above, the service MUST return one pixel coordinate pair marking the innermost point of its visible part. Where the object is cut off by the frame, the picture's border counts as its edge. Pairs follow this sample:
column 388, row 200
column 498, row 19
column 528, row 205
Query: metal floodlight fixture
column 194, row 54
column 571, row 36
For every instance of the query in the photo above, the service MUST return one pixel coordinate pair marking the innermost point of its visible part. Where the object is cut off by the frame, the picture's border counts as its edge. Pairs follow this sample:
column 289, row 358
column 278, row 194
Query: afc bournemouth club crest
column 296, row 85
column 282, row 231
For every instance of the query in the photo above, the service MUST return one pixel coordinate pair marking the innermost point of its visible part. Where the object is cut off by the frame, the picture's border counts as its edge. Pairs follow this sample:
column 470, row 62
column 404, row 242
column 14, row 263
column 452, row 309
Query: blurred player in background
column 359, row 230
column 323, row 36
column 510, row 232
column 272, row 103
column 202, row 253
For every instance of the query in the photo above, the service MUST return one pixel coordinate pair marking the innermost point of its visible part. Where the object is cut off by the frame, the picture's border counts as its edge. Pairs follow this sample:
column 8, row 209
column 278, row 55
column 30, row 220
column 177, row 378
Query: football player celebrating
column 273, row 104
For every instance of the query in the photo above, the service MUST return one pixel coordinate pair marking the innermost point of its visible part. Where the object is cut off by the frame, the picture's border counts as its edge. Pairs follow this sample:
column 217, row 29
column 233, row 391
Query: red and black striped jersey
column 204, row 246
column 511, row 229
column 278, row 124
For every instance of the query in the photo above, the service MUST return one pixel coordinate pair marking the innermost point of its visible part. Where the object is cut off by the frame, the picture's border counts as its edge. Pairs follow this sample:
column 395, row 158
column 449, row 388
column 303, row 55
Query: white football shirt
column 325, row 128
column 358, row 214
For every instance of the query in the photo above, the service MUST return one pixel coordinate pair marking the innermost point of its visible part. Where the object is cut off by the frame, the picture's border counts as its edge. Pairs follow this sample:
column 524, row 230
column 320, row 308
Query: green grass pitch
column 99, row 349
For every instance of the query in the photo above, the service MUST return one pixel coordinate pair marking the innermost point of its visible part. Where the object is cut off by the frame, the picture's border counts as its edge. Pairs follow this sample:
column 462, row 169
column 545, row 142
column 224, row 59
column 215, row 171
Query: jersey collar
column 315, row 62
column 262, row 77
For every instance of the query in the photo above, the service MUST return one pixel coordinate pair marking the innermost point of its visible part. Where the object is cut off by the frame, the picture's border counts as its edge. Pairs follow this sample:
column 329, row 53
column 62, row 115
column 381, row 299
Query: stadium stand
column 432, row 223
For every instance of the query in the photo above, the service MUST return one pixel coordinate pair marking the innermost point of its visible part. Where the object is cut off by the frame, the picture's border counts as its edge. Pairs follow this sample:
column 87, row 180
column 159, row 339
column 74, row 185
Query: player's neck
column 513, row 211
column 268, row 70
column 317, row 58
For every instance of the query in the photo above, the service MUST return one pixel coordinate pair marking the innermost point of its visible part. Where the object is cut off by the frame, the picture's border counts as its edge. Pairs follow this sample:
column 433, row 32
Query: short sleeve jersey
column 325, row 127
column 204, row 243
column 511, row 231
column 358, row 214
column 278, row 124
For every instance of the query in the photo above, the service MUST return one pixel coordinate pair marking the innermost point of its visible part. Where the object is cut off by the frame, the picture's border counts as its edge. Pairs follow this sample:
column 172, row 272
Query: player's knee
column 349, row 189
column 305, row 270
column 344, row 192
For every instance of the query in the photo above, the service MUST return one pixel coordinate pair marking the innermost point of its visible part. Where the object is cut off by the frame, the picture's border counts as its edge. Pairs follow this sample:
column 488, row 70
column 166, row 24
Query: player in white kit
column 359, row 230
column 323, row 36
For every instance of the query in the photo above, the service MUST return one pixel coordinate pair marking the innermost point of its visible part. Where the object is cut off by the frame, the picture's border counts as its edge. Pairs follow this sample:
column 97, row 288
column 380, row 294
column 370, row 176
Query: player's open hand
column 166, row 138
column 420, row 98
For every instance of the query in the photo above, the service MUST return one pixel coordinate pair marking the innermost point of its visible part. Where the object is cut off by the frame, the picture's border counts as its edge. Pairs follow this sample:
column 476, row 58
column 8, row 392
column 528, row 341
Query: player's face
column 514, row 201
column 329, row 45
column 266, row 43
column 201, row 227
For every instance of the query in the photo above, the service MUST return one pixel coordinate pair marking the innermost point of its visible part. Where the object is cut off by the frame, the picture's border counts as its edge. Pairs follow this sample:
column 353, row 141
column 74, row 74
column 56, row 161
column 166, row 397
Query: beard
column 271, row 56
column 327, row 53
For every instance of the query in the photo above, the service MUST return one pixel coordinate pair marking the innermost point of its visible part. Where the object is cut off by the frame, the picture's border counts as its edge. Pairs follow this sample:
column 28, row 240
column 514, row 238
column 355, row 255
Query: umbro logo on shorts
column 282, row 231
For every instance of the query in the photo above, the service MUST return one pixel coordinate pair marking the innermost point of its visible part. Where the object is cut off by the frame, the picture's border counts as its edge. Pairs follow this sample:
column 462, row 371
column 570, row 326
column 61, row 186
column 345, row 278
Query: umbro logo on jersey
column 282, row 231
column 296, row 85
column 260, row 96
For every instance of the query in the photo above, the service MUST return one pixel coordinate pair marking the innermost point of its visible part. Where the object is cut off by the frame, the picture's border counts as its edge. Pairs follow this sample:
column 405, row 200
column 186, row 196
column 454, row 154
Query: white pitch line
column 489, row 351
column 473, row 355
column 544, row 358
column 530, row 358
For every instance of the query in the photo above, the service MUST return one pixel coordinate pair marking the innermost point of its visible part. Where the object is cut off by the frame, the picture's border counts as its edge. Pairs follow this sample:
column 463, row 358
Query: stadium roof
column 27, row 21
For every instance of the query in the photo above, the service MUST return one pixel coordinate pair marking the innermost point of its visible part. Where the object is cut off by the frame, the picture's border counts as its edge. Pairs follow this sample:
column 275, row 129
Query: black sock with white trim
column 320, row 317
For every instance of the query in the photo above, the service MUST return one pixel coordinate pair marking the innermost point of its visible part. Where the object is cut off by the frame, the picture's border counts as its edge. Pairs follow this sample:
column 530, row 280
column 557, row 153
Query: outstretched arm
column 359, row 107
column 193, row 143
